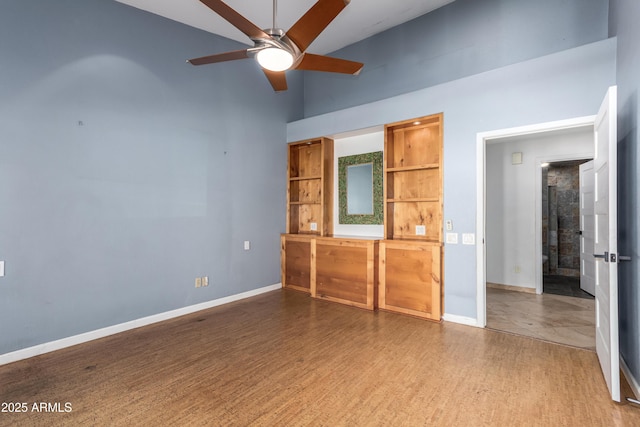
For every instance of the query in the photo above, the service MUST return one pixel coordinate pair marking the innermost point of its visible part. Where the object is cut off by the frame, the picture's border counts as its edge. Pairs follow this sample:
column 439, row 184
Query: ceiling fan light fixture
column 274, row 59
column 277, row 50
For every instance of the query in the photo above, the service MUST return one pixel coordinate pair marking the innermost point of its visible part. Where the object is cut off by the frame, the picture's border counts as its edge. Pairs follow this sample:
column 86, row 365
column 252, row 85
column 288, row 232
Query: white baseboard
column 463, row 320
column 511, row 288
column 633, row 381
column 39, row 349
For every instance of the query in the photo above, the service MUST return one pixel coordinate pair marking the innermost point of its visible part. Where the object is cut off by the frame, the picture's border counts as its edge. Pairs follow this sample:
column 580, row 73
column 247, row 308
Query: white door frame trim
column 482, row 139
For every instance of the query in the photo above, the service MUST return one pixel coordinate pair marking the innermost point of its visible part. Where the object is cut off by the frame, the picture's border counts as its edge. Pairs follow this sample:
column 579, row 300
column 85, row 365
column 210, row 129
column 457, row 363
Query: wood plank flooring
column 283, row 358
column 556, row 318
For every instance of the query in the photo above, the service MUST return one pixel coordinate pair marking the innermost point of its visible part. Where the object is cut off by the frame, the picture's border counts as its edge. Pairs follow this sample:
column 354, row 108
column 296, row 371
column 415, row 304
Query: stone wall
column 561, row 218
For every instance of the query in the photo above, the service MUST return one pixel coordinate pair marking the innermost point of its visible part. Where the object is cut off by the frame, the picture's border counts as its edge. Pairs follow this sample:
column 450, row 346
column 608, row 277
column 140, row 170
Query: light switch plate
column 468, row 239
column 247, row 245
column 449, row 225
column 452, row 238
column 1, row 268
column 421, row 230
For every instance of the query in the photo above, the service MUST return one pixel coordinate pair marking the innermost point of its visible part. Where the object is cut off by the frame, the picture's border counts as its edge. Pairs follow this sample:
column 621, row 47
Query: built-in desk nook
column 401, row 269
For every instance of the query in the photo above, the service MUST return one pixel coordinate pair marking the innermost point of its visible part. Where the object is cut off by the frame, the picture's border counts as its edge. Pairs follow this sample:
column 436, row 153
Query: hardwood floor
column 556, row 318
column 283, row 358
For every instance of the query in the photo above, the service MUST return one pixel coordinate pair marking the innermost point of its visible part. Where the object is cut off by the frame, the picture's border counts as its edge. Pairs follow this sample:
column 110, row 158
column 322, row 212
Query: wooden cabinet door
column 410, row 278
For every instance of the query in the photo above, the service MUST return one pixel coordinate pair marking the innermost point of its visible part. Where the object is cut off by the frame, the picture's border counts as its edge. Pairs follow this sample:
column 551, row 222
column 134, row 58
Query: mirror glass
column 360, row 189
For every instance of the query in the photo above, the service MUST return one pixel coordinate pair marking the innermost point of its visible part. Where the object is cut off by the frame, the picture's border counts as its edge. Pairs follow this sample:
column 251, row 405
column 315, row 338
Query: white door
column 606, row 242
column 587, row 261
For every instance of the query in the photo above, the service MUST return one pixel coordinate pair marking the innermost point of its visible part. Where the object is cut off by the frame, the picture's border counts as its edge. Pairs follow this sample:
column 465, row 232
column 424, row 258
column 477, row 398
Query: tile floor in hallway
column 563, row 285
column 560, row 319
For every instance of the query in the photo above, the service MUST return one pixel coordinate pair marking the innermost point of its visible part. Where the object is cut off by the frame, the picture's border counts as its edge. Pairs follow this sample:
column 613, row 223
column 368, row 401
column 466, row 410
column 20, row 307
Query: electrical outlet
column 421, row 230
column 314, row 226
column 198, row 282
column 468, row 239
column 1, row 268
column 205, row 281
column 517, row 269
column 449, row 225
column 247, row 245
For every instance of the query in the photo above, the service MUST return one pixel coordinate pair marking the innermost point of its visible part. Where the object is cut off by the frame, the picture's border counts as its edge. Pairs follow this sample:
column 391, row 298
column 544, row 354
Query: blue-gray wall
column 624, row 18
column 559, row 86
column 564, row 64
column 461, row 39
column 126, row 173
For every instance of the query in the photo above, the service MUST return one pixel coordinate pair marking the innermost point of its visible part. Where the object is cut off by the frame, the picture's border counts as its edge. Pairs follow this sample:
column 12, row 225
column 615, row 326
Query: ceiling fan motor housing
column 278, row 40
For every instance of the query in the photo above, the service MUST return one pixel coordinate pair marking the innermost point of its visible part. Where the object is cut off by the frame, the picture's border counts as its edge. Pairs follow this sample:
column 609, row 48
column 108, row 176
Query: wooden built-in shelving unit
column 402, row 272
column 310, row 187
column 410, row 275
column 309, row 207
column 413, row 179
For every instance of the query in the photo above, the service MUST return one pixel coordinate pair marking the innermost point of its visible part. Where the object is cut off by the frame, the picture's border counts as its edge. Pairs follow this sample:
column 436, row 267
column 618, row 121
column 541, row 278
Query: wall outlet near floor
column 201, row 282
column 421, row 230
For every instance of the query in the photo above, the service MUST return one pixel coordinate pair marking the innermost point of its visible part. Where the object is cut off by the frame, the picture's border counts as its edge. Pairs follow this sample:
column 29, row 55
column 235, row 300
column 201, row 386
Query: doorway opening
column 567, row 224
column 605, row 249
column 510, row 216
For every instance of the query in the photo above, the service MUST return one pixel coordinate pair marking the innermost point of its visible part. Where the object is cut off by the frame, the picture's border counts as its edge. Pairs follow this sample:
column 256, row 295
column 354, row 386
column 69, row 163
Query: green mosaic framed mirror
column 360, row 189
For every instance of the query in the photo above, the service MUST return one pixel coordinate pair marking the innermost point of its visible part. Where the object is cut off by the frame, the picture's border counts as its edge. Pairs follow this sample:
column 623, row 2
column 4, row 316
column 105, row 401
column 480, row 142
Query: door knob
column 607, row 257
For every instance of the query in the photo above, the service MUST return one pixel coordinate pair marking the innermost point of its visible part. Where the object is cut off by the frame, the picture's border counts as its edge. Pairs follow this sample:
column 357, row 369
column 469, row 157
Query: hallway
column 555, row 318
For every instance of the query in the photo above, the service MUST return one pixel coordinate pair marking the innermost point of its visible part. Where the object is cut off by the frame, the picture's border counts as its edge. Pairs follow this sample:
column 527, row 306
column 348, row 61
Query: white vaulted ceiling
column 359, row 20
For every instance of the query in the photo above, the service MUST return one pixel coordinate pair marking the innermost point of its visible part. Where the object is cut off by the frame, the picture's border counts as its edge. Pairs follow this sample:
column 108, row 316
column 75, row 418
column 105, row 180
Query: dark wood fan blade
column 313, row 62
column 235, row 19
column 277, row 79
column 220, row 57
column 314, row 21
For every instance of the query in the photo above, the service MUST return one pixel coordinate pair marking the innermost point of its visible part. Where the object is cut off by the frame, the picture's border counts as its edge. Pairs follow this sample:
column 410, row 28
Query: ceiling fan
column 276, row 50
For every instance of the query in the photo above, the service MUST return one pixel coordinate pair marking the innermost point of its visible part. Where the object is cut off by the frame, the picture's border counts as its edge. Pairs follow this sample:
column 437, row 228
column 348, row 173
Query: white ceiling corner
column 359, row 20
